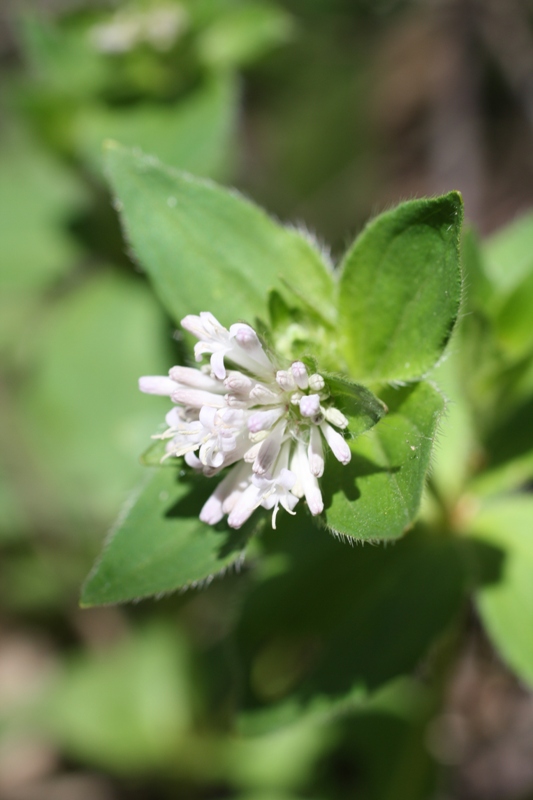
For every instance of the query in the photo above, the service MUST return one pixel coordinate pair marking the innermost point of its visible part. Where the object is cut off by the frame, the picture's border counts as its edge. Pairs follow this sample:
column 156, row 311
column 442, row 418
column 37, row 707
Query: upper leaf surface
column 377, row 495
column 161, row 545
column 506, row 604
column 400, row 290
column 208, row 249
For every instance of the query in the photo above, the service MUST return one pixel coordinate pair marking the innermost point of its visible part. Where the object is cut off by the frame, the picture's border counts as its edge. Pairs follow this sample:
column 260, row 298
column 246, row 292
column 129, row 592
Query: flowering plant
column 305, row 359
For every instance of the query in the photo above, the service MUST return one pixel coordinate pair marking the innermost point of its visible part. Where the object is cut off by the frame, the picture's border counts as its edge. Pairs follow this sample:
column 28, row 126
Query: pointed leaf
column 160, row 544
column 400, row 289
column 377, row 495
column 506, row 604
column 208, row 249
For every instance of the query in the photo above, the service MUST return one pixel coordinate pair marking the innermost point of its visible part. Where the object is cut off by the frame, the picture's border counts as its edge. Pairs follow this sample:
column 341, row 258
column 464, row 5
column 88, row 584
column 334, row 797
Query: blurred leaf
column 324, row 618
column 194, row 134
column 514, row 321
column 377, row 495
column 243, row 34
column 478, row 290
column 38, row 197
column 400, row 289
column 160, row 545
column 457, row 450
column 509, row 253
column 506, row 604
column 84, row 417
column 61, row 58
column 207, row 249
column 126, row 708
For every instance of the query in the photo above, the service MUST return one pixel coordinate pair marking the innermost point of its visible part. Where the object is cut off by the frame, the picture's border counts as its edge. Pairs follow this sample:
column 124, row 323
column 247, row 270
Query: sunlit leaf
column 160, row 545
column 208, row 249
column 400, row 289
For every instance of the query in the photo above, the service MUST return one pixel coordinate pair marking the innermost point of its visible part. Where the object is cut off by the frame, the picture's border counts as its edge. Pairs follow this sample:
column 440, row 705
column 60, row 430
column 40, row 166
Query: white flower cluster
column 268, row 423
column 158, row 27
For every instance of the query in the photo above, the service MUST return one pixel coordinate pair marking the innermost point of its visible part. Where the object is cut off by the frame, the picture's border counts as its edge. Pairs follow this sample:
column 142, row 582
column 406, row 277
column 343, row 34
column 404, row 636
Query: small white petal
column 315, row 452
column 192, row 460
column 269, row 450
column 238, row 383
column 249, row 500
column 215, row 508
column 307, row 480
column 263, row 395
column 310, row 405
column 285, row 380
column 335, row 417
column 197, row 398
column 263, row 420
column 217, row 364
column 316, row 382
column 337, row 443
column 195, row 378
column 300, row 375
column 157, row 384
column 211, row 512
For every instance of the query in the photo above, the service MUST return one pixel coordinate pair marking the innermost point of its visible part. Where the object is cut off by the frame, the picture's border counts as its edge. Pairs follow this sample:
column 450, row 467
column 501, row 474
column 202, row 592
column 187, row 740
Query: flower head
column 268, row 424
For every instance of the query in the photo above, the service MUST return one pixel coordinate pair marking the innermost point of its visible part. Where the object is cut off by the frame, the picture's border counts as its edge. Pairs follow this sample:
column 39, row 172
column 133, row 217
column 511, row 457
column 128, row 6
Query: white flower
column 268, row 424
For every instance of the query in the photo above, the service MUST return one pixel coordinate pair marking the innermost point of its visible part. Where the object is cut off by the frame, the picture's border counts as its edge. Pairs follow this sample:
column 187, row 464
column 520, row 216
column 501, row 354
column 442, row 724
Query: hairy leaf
column 377, row 495
column 400, row 289
column 160, row 545
column 208, row 249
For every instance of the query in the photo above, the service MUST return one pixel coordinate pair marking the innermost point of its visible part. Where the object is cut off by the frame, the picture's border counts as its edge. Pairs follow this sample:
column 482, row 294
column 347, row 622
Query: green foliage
column 73, row 422
column 377, row 495
column 205, row 248
column 506, row 603
column 38, row 197
column 399, row 290
column 160, row 543
column 321, row 619
column 194, row 135
column 317, row 662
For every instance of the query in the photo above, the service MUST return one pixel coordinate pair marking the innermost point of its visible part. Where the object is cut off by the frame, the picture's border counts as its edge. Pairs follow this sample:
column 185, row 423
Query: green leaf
column 362, row 408
column 506, row 604
column 208, row 249
column 508, row 253
column 84, row 418
column 125, row 709
column 400, row 289
column 513, row 323
column 243, row 34
column 322, row 619
column 377, row 495
column 194, row 134
column 38, row 197
column 160, row 544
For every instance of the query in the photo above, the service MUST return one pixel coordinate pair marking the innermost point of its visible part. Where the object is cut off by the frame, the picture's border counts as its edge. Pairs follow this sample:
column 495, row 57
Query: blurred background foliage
column 324, row 111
